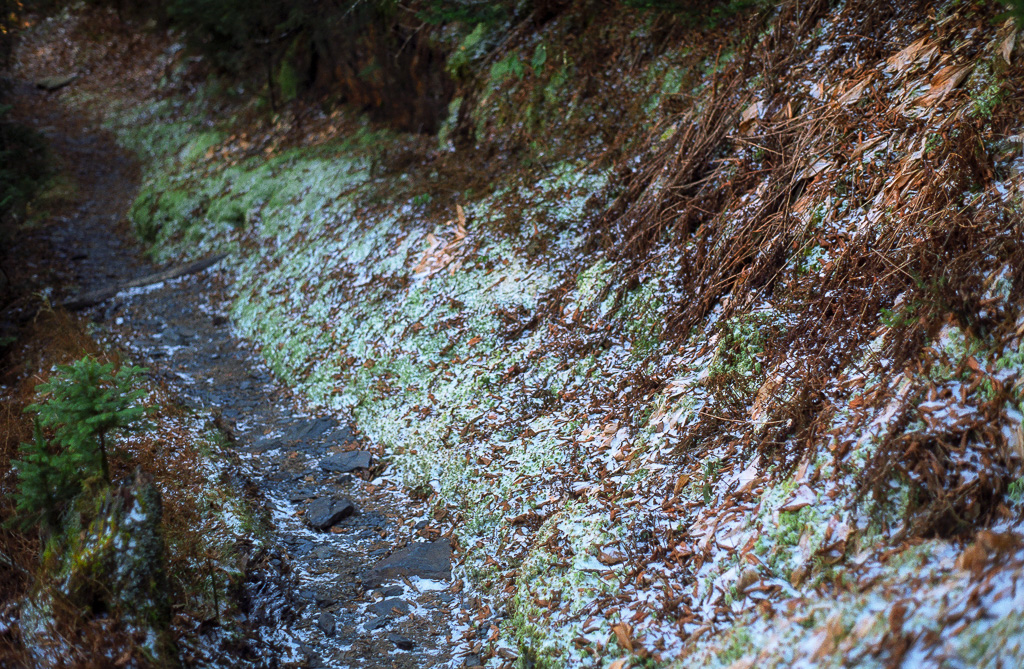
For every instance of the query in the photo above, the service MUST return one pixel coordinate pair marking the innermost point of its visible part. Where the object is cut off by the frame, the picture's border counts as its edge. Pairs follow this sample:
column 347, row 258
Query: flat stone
column 56, row 82
column 263, row 444
column 386, row 608
column 324, row 552
column 312, row 428
column 401, row 642
column 392, row 591
column 427, row 560
column 301, row 495
column 324, row 512
column 349, row 461
column 376, row 623
column 326, row 623
column 372, row 519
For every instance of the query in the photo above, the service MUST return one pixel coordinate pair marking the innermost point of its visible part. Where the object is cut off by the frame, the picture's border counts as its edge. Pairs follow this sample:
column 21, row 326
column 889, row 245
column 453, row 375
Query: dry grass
column 687, row 206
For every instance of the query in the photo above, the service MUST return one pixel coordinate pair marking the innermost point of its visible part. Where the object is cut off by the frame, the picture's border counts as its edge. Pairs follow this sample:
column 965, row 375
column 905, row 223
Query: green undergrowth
column 144, row 532
column 189, row 205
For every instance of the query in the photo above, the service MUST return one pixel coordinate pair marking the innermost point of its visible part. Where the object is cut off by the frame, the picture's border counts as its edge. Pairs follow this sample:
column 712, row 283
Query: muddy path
column 318, row 597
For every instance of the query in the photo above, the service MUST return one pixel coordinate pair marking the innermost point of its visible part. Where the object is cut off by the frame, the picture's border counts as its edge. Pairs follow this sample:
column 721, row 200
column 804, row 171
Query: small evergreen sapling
column 86, row 401
column 48, row 478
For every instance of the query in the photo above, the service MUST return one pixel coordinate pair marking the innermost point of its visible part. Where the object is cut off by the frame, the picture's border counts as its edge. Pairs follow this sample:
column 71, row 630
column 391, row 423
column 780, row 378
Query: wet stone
column 427, row 560
column 325, row 512
column 263, row 444
column 324, row 552
column 301, row 495
column 311, row 429
column 401, row 642
column 373, row 519
column 376, row 623
column 349, row 461
column 325, row 622
column 390, row 608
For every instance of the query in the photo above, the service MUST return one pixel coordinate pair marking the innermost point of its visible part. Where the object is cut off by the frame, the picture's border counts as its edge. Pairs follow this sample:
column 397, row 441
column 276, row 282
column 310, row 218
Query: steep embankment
column 704, row 343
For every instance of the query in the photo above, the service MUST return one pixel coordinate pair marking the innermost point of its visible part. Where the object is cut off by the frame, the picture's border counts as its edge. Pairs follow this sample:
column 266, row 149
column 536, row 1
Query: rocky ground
column 366, row 576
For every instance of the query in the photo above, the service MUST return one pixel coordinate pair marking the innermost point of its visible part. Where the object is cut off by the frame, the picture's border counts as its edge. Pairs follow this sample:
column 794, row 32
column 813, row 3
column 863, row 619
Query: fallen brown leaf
column 624, row 635
column 922, row 49
column 973, row 559
column 943, row 83
column 1006, row 48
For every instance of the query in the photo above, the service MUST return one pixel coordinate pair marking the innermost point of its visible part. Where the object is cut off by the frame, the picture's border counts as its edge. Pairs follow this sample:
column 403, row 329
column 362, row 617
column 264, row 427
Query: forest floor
column 310, row 604
column 701, row 346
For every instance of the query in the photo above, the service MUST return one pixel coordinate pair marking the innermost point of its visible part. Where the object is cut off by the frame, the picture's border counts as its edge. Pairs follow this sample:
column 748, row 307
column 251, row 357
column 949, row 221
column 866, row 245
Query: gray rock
column 387, row 608
column 401, row 642
column 311, row 429
column 326, row 623
column 376, row 623
column 324, row 512
column 324, row 552
column 372, row 519
column 301, row 495
column 426, row 560
column 349, row 461
column 56, row 82
column 392, row 591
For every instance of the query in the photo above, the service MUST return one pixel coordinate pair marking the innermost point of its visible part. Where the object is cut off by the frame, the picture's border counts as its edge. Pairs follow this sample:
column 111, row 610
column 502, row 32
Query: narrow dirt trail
column 322, row 615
